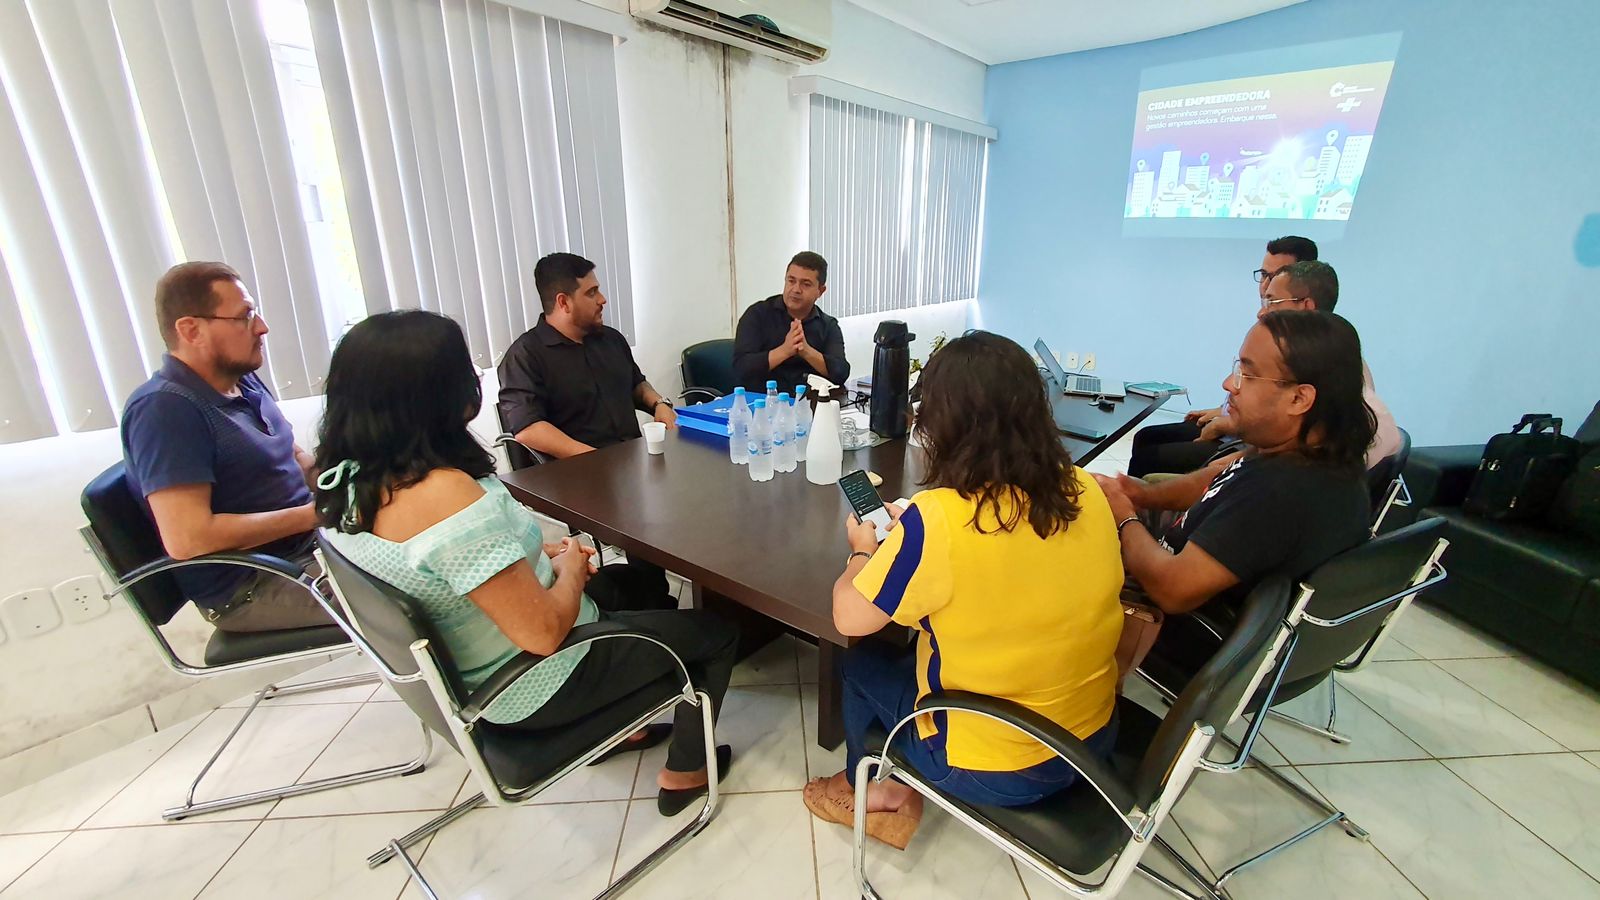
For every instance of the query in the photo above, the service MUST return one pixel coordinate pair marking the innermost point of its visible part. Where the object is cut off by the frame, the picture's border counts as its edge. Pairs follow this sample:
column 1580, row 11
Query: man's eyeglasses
column 1262, row 275
column 1268, row 304
column 249, row 317
column 1239, row 376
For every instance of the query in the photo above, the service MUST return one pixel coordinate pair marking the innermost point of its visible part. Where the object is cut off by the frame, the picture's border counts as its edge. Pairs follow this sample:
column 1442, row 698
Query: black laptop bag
column 1521, row 473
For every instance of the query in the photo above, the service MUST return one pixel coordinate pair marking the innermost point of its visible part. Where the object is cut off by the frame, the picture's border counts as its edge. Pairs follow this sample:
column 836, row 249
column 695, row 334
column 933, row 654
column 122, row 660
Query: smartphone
column 865, row 502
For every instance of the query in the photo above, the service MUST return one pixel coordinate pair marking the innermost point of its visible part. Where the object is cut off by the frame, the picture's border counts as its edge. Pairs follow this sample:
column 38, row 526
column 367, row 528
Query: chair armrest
column 505, row 440
column 1060, row 741
column 259, row 561
column 1440, row 476
column 524, row 662
column 709, row 393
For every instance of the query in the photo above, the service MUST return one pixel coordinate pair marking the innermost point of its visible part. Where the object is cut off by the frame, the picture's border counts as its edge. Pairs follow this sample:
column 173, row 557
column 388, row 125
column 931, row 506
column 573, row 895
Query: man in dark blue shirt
column 214, row 458
column 786, row 338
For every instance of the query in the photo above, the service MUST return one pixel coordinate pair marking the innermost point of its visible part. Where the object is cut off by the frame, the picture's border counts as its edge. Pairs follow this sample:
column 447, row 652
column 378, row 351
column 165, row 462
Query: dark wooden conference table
column 773, row 549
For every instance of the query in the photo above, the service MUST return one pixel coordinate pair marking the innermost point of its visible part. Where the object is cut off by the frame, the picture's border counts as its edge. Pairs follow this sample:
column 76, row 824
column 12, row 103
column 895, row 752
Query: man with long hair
column 1293, row 500
column 213, row 457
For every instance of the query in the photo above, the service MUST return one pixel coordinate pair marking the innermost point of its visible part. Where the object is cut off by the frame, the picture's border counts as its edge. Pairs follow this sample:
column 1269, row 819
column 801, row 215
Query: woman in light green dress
column 411, row 497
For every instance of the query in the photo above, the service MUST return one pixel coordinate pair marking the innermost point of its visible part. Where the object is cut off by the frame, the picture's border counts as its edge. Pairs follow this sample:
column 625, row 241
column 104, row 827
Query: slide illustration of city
column 1282, row 146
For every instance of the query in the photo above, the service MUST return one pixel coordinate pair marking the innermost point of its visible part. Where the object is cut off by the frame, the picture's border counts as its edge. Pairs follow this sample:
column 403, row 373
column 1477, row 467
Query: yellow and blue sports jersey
column 1006, row 614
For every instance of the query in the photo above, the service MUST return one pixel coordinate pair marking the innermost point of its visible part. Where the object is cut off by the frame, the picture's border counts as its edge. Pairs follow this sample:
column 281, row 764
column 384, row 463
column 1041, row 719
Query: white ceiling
column 999, row 31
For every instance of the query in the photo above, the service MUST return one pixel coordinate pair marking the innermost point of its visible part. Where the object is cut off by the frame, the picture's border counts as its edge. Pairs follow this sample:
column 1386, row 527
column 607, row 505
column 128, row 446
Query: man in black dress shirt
column 569, row 384
column 785, row 337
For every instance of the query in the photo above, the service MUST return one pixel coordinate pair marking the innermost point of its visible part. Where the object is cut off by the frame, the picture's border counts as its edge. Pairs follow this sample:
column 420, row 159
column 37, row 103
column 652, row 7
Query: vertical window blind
column 896, row 207
column 464, row 139
column 473, row 138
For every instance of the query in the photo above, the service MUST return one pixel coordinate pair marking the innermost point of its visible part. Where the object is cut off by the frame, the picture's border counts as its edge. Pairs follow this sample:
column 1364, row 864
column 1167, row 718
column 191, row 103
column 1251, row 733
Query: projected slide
column 1289, row 145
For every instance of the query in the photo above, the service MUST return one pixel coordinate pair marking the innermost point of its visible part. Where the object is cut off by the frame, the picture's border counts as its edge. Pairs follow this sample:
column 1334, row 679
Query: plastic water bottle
column 783, row 459
column 760, row 443
column 739, row 429
column 772, row 397
column 802, row 422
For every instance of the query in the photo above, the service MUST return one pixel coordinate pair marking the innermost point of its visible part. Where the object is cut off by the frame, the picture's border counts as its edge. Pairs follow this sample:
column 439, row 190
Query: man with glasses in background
column 1184, row 446
column 214, row 459
column 1310, row 286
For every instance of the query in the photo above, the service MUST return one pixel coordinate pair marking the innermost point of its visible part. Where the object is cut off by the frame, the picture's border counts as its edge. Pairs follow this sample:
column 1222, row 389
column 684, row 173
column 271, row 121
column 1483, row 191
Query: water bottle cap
column 761, row 402
column 799, row 391
column 784, row 396
column 738, row 392
column 772, row 385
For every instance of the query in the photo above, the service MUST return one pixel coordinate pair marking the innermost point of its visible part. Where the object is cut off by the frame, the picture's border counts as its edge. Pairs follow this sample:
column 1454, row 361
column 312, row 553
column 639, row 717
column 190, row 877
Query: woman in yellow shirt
column 1008, row 567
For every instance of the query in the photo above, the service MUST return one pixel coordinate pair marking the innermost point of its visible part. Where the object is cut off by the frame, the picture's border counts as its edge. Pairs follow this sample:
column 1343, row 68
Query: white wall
column 678, row 111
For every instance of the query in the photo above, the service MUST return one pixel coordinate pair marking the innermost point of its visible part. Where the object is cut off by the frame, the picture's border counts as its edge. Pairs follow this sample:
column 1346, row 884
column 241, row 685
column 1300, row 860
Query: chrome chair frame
column 268, row 692
column 462, row 720
column 503, row 441
column 1142, row 824
column 1430, row 573
column 1397, row 497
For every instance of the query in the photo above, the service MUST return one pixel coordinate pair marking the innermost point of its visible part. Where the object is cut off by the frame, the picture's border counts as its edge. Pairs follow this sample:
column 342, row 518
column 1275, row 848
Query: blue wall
column 1462, row 266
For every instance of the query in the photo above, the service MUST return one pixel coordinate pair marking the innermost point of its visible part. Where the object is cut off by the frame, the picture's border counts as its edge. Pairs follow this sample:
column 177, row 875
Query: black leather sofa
column 1535, row 585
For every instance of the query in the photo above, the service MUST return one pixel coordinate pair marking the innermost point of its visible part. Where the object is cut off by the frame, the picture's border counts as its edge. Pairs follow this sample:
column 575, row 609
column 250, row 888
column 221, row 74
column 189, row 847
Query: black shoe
column 653, row 736
column 670, row 803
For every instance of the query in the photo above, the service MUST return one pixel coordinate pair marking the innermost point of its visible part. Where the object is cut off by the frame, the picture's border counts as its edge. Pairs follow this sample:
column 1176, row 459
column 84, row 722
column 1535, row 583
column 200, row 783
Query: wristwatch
column 661, row 401
column 861, row 553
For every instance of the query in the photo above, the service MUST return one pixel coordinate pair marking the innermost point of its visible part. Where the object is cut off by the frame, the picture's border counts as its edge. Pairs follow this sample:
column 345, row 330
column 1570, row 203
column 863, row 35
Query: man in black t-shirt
column 569, row 384
column 1292, row 502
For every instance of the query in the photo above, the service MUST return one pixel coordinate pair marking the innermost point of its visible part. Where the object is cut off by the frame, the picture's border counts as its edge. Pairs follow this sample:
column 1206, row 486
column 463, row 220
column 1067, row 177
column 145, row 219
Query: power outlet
column 1071, row 362
column 1088, row 362
column 81, row 599
column 30, row 613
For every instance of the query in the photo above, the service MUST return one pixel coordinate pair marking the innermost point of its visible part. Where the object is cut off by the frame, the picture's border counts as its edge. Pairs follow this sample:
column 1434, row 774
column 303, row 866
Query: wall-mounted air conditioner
column 791, row 30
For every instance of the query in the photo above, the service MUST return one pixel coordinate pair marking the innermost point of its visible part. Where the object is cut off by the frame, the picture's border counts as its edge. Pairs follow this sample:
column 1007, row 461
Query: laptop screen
column 1048, row 359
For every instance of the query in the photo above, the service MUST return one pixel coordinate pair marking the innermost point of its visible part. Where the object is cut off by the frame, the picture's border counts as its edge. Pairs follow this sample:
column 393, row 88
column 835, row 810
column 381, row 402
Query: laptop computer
column 1081, row 385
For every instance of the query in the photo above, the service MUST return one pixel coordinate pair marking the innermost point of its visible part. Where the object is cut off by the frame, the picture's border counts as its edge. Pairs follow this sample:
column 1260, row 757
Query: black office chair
column 510, row 766
column 1339, row 620
column 1114, row 814
column 1387, row 484
column 518, row 454
column 708, row 370
column 123, row 539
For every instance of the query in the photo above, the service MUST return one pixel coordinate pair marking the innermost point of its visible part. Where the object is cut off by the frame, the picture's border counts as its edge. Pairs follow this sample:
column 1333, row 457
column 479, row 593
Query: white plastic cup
column 655, row 437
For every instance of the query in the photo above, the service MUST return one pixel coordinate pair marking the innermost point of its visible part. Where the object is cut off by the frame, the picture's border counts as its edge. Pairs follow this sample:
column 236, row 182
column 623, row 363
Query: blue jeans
column 880, row 687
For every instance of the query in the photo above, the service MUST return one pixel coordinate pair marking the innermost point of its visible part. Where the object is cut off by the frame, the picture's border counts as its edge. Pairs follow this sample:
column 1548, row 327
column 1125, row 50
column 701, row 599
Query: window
column 347, row 156
column 896, row 206
column 316, row 163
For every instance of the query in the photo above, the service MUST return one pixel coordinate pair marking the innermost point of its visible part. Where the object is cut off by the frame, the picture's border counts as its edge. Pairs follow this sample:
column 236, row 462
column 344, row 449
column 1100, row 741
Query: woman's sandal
column 892, row 828
column 671, row 802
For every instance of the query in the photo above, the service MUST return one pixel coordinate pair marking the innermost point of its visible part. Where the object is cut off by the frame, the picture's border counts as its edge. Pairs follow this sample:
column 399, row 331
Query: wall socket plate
column 30, row 613
column 1071, row 362
column 81, row 599
column 1088, row 362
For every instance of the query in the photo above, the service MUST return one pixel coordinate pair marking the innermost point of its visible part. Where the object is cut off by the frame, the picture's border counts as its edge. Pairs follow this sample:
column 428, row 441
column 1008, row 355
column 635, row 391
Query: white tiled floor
column 1475, row 771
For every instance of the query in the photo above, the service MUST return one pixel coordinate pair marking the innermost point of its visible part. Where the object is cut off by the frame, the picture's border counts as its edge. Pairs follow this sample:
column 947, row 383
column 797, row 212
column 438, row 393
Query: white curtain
column 202, row 72
column 473, row 138
column 133, row 133
column 896, row 207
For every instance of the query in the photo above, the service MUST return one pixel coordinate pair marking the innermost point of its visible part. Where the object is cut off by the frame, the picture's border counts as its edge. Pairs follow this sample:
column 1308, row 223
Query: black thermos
column 891, row 380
